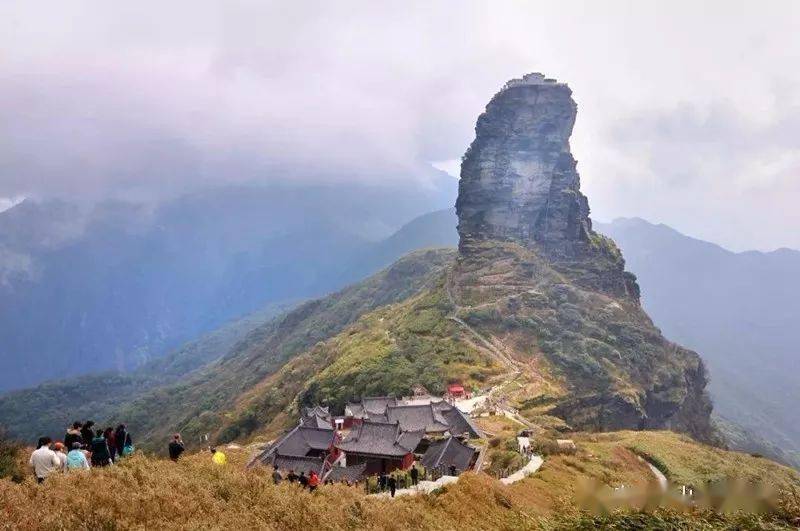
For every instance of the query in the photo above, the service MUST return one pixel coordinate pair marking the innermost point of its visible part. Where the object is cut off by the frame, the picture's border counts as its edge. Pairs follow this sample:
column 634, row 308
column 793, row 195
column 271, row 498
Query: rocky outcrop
column 518, row 178
column 519, row 183
column 557, row 289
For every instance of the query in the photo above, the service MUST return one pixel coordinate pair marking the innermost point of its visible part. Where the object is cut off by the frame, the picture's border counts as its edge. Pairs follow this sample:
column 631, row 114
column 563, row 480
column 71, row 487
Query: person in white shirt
column 44, row 461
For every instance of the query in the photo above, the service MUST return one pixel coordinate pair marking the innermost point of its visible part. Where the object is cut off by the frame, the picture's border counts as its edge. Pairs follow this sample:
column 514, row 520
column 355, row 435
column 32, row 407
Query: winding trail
column 531, row 467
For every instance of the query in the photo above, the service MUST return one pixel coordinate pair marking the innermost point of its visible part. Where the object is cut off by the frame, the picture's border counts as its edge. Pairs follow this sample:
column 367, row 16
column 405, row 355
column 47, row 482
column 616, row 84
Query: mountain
column 738, row 309
column 535, row 305
column 109, row 286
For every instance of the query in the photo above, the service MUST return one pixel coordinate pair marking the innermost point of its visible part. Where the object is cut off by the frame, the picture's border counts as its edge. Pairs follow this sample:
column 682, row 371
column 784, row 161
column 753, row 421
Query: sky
column 689, row 112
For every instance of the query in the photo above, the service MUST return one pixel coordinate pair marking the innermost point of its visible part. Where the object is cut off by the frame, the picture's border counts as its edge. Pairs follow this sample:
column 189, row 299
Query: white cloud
column 151, row 97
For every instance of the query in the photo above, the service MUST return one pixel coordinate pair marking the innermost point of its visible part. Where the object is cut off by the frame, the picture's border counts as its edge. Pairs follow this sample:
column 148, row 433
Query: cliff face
column 559, row 290
column 518, row 178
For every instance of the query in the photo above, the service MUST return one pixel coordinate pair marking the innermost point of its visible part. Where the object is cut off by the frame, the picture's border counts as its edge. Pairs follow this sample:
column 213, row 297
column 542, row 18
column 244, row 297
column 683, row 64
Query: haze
column 689, row 113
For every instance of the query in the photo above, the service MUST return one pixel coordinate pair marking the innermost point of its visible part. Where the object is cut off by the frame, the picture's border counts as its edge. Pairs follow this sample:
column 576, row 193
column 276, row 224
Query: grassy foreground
column 151, row 493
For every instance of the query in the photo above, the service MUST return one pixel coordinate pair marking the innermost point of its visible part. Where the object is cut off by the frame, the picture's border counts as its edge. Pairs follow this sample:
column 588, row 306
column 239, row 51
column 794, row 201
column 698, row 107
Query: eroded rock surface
column 556, row 289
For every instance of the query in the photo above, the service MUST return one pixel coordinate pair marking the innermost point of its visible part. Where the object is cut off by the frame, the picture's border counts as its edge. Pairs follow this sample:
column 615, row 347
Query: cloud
column 152, row 98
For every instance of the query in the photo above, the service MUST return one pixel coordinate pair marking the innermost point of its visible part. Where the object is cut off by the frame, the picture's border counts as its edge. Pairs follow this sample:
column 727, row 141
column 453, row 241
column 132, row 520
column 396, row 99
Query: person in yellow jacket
column 218, row 457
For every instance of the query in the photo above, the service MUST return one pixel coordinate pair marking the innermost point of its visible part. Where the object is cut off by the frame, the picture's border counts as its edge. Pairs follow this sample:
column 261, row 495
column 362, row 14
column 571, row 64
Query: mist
column 688, row 114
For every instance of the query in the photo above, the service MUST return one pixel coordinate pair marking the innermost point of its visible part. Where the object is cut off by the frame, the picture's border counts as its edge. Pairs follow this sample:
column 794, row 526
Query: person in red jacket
column 313, row 481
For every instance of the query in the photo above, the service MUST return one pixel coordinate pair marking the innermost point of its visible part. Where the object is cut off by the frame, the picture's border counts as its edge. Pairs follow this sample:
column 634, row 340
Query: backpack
column 127, row 450
column 75, row 460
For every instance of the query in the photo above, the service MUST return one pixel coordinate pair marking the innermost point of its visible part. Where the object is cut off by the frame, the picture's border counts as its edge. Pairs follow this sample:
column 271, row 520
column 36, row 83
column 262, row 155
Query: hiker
column 176, row 447
column 292, row 477
column 44, row 461
column 76, row 459
column 73, row 435
column 382, row 482
column 414, row 475
column 122, row 439
column 303, row 479
column 276, row 476
column 217, row 457
column 101, row 456
column 87, row 434
column 111, row 440
column 453, row 471
column 313, row 481
column 392, row 483
column 58, row 448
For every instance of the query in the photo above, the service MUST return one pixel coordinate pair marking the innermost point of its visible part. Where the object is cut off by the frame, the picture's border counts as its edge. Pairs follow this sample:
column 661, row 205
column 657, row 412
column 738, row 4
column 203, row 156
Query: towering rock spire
column 518, row 178
column 519, row 184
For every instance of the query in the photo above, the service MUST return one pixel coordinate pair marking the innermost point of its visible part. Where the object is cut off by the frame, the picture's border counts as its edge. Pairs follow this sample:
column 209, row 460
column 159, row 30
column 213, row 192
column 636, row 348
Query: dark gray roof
column 377, row 438
column 298, row 464
column 319, row 411
column 369, row 406
column 447, row 452
column 414, row 418
column 355, row 410
column 315, row 421
column 460, row 423
column 300, row 441
column 352, row 474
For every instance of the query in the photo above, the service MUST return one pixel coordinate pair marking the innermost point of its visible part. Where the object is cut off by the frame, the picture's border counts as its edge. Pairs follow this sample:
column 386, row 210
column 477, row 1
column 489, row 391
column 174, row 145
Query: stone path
column 532, row 466
column 423, row 487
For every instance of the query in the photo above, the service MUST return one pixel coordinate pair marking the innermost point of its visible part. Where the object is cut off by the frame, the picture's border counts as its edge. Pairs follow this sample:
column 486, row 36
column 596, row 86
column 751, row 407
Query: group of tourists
column 175, row 448
column 391, row 482
column 83, row 447
column 310, row 482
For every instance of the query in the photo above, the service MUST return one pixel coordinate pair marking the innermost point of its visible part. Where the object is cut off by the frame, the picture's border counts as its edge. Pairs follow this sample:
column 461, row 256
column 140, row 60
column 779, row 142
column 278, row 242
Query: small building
column 449, row 456
column 317, row 417
column 382, row 447
column 356, row 412
column 303, row 442
column 456, row 390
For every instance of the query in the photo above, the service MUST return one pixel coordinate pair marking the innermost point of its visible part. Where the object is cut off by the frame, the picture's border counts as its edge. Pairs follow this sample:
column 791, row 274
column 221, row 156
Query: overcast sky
column 689, row 112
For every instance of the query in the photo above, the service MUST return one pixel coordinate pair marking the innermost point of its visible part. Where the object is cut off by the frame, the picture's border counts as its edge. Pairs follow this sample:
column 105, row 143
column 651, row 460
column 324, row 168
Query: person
column 87, row 434
column 176, row 447
column 313, row 481
column 73, row 435
column 101, row 456
column 121, row 438
column 76, row 459
column 276, row 476
column 217, row 457
column 58, row 448
column 414, row 475
column 382, row 482
column 110, row 437
column 292, row 477
column 303, row 479
column 392, row 484
column 44, row 461
column 453, row 471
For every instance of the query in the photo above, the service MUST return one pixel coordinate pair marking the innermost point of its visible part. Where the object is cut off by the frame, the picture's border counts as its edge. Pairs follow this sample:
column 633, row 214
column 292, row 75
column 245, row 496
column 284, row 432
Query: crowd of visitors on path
column 310, row 482
column 83, row 447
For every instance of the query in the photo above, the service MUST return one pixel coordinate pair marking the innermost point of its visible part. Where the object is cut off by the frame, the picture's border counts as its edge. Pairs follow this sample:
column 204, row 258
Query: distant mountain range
column 736, row 309
column 85, row 289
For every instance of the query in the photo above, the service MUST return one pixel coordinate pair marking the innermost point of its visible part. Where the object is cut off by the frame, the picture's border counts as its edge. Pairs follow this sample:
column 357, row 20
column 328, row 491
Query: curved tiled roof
column 448, row 452
column 378, row 438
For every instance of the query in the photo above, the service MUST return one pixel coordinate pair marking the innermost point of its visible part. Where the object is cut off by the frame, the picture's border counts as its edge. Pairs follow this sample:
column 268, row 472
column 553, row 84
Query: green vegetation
column 49, row 408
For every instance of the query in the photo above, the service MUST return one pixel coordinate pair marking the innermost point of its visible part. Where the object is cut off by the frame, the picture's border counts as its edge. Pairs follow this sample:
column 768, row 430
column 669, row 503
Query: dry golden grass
column 150, row 493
